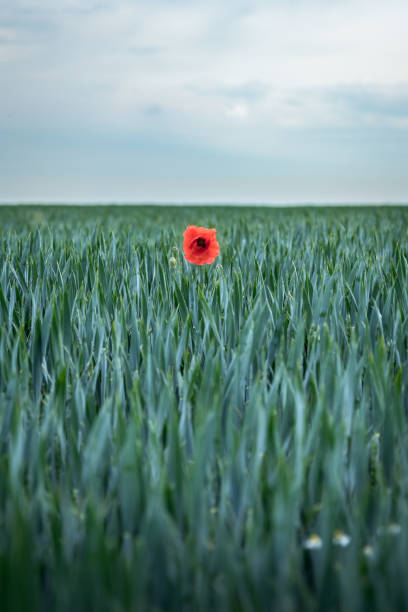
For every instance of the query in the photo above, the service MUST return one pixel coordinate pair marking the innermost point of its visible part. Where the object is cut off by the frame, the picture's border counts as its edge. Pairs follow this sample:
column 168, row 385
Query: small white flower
column 313, row 542
column 368, row 551
column 340, row 538
column 393, row 528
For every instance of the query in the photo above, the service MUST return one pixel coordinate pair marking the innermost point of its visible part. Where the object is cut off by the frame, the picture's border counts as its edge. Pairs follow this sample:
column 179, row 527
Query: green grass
column 170, row 438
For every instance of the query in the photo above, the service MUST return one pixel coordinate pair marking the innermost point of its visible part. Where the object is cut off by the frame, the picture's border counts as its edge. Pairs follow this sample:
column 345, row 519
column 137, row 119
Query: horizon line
column 248, row 203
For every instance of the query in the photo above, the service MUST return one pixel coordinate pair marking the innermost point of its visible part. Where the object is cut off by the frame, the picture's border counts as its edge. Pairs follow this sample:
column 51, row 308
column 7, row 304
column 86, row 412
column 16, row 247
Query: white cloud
column 237, row 111
column 252, row 78
column 110, row 60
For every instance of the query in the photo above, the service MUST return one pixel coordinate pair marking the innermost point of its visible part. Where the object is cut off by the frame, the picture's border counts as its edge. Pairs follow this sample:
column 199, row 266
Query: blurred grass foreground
column 224, row 437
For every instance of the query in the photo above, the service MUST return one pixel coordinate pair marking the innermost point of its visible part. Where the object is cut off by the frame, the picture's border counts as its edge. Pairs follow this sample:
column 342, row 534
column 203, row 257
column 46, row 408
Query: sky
column 284, row 101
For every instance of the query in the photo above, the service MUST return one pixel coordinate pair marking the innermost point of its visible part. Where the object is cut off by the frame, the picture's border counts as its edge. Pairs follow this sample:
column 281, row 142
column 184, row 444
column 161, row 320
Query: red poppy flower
column 200, row 245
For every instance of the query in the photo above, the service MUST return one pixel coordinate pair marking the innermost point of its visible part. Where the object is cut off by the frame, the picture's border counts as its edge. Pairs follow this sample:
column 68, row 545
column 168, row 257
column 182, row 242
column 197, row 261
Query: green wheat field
column 198, row 438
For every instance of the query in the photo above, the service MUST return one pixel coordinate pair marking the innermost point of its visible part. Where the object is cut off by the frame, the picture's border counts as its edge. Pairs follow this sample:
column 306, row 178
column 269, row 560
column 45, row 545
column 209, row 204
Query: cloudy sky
column 204, row 100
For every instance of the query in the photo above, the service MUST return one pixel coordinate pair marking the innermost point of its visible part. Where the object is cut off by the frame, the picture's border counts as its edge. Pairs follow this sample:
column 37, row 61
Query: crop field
column 231, row 436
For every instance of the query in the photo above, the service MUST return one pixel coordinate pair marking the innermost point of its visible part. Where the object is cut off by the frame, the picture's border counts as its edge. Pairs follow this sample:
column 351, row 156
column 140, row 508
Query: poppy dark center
column 201, row 242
